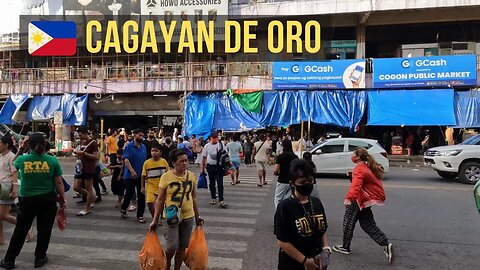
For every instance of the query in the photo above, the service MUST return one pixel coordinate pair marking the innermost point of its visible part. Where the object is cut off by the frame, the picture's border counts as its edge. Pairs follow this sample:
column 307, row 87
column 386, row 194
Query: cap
column 214, row 135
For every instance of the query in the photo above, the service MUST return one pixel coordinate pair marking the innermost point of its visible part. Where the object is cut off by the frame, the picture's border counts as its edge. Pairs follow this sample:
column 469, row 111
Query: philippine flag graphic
column 52, row 38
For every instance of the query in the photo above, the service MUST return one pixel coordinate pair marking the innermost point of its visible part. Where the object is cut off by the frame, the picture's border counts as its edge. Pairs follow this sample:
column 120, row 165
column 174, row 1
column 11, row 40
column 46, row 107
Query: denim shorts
column 235, row 163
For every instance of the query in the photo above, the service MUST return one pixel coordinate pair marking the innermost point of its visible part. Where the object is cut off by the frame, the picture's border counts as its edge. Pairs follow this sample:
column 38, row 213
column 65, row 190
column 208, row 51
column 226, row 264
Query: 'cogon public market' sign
column 452, row 70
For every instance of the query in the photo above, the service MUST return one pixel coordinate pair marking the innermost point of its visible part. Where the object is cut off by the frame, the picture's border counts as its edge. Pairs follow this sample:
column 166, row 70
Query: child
column 153, row 169
column 117, row 185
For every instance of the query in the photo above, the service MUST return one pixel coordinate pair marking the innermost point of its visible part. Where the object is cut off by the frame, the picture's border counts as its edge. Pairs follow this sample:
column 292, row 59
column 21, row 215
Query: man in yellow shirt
column 112, row 146
column 153, row 169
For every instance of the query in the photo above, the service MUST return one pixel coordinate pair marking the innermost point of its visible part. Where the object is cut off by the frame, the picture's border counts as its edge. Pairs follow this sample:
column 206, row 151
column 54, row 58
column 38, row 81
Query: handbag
column 5, row 190
column 173, row 213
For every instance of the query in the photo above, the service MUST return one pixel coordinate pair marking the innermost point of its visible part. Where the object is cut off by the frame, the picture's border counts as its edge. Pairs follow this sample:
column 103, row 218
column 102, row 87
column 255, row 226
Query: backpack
column 223, row 160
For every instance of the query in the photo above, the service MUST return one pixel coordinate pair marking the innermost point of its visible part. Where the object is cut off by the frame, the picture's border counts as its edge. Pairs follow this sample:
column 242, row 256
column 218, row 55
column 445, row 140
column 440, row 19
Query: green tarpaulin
column 251, row 102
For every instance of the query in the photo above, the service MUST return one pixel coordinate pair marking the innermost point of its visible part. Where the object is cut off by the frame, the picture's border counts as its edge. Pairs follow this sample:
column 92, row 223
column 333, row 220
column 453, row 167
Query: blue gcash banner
column 454, row 70
column 336, row 74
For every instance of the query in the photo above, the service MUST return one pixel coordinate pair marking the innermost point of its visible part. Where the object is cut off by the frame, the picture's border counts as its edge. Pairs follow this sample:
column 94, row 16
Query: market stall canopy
column 11, row 108
column 467, row 109
column 204, row 113
column 432, row 107
column 74, row 108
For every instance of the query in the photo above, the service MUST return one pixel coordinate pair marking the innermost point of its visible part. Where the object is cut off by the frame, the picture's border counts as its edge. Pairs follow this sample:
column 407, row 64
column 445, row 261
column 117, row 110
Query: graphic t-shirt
column 153, row 171
column 284, row 160
column 301, row 229
column 176, row 187
column 37, row 173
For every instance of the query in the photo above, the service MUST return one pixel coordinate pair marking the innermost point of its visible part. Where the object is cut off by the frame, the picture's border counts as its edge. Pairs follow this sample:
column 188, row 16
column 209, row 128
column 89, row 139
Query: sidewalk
column 405, row 161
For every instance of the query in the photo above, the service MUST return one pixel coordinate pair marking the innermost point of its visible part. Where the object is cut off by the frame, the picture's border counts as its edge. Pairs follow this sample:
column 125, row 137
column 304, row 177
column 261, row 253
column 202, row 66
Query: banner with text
column 452, row 70
column 335, row 74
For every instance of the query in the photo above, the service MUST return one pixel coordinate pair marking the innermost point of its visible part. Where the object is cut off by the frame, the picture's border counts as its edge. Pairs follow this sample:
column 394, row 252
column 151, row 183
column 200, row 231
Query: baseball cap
column 214, row 134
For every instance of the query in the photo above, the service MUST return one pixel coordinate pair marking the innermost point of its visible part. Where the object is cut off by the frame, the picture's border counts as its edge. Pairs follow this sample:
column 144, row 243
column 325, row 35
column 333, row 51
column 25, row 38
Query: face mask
column 304, row 190
column 168, row 141
column 354, row 159
column 139, row 140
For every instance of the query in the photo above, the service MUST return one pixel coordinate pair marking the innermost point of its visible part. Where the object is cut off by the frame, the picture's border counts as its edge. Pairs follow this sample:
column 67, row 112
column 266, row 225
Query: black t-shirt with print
column 302, row 230
column 284, row 160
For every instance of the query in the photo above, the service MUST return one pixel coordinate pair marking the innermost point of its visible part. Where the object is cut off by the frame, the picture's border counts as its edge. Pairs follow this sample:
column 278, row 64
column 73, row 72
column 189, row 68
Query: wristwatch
column 304, row 260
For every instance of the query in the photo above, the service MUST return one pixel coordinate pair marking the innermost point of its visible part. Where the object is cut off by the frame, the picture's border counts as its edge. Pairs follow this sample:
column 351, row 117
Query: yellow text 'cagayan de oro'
column 289, row 36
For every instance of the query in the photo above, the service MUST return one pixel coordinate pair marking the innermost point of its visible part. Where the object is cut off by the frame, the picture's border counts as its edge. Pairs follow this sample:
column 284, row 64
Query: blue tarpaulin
column 217, row 111
column 74, row 108
column 467, row 109
column 199, row 113
column 78, row 114
column 341, row 108
column 433, row 107
column 11, row 107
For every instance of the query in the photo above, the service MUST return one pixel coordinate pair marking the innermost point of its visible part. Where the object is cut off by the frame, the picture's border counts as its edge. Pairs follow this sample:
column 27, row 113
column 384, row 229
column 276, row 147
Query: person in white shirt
column 214, row 170
column 260, row 157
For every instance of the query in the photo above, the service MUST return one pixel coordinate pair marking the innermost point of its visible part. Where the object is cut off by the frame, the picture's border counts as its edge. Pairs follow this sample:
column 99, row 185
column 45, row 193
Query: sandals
column 213, row 202
column 259, row 185
column 237, row 182
column 123, row 214
column 265, row 183
column 141, row 220
column 83, row 213
column 223, row 204
column 233, row 184
column 132, row 208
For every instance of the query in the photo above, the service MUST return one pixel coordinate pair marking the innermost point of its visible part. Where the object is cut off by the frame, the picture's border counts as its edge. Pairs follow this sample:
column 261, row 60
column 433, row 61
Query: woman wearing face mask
column 365, row 191
column 301, row 224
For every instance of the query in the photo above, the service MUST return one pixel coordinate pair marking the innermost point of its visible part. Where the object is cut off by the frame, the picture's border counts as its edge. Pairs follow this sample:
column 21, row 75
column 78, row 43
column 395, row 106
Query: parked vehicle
column 452, row 161
column 333, row 155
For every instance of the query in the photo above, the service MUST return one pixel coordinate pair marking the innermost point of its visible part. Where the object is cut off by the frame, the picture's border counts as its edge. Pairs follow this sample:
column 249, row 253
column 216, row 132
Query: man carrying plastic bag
column 177, row 196
column 196, row 256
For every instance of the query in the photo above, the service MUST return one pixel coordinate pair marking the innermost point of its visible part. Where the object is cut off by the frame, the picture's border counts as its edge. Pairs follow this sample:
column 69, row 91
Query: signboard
column 58, row 118
column 187, row 10
column 452, row 70
column 335, row 74
column 340, row 43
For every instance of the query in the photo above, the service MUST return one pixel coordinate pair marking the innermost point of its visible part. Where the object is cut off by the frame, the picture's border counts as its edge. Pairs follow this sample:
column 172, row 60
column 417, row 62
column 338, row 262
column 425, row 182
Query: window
column 332, row 147
column 352, row 145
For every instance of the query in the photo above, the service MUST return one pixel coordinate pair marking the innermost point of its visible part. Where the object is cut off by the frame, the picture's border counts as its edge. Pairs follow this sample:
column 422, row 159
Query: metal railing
column 206, row 69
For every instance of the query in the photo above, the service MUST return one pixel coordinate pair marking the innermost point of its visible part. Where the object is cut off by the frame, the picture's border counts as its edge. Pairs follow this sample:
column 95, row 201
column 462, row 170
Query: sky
column 11, row 10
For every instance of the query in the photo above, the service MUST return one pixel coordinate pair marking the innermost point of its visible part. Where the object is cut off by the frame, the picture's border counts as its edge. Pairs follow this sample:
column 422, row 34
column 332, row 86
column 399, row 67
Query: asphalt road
column 432, row 222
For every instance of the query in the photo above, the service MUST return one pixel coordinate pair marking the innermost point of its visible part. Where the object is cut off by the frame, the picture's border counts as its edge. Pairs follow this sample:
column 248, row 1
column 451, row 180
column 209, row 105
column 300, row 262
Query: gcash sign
column 454, row 70
column 336, row 74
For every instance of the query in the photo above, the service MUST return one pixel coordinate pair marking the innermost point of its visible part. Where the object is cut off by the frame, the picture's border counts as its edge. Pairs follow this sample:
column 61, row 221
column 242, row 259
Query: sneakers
column 40, row 262
column 6, row 264
column 388, row 250
column 341, row 249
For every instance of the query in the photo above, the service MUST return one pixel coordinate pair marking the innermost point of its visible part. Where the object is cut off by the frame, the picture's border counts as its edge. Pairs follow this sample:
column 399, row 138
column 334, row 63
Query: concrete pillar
column 361, row 37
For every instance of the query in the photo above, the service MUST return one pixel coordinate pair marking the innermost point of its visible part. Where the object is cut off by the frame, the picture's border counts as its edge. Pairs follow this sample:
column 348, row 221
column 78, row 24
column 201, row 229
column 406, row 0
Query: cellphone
column 356, row 74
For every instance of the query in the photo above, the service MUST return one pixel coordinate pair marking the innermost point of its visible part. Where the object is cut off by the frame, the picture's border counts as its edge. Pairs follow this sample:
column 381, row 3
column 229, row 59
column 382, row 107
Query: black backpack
column 223, row 160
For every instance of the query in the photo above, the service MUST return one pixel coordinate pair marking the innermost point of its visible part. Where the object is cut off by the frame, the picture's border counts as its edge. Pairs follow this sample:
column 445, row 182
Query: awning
column 467, row 109
column 433, row 107
column 11, row 108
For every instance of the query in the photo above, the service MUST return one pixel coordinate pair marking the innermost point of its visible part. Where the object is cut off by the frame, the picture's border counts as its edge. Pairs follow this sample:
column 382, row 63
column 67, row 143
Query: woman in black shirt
column 282, row 170
column 301, row 224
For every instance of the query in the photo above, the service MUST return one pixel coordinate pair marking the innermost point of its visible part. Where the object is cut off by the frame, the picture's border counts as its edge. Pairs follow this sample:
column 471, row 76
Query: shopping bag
column 152, row 256
column 202, row 181
column 61, row 219
column 476, row 195
column 196, row 256
column 66, row 186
